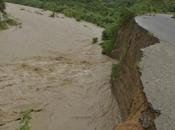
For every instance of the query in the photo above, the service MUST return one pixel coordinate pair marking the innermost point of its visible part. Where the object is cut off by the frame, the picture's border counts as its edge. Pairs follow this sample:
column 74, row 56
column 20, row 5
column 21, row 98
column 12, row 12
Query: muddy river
column 51, row 66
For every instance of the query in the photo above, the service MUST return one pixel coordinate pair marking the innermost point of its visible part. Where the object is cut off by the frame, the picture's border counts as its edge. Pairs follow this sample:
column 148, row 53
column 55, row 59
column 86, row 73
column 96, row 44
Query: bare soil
column 136, row 112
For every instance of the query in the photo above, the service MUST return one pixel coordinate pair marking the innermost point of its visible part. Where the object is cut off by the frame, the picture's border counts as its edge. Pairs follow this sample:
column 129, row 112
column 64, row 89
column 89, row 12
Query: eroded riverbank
column 136, row 111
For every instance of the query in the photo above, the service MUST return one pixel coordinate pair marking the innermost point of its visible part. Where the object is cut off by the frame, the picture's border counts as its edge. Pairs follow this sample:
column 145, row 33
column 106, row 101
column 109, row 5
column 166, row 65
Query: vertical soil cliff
column 137, row 113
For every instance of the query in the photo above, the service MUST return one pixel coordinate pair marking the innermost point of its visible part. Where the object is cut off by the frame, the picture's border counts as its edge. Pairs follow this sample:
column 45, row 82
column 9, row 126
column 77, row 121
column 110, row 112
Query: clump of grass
column 173, row 16
column 52, row 15
column 25, row 120
column 8, row 22
column 12, row 22
column 116, row 70
column 3, row 25
column 94, row 40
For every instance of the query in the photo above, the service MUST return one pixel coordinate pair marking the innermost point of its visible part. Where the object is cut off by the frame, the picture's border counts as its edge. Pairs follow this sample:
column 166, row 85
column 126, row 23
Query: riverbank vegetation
column 2, row 8
column 110, row 14
column 5, row 21
column 8, row 22
column 24, row 123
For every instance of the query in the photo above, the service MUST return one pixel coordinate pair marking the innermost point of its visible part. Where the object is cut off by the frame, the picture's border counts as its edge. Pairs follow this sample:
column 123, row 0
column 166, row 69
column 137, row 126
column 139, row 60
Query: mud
column 51, row 66
column 136, row 112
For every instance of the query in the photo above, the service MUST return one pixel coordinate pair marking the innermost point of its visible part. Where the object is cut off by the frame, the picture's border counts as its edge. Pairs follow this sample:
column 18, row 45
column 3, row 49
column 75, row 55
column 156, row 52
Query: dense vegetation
column 110, row 14
column 95, row 11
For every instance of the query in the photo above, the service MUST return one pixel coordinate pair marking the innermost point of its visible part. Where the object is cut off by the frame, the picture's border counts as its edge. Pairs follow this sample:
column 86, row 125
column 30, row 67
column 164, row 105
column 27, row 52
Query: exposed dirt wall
column 137, row 113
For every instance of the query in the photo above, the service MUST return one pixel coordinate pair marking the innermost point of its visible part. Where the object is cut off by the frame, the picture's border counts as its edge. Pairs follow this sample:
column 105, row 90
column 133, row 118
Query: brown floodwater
column 50, row 65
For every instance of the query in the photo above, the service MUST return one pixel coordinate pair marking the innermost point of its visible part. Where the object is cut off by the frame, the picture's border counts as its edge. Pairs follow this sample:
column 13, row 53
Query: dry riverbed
column 50, row 65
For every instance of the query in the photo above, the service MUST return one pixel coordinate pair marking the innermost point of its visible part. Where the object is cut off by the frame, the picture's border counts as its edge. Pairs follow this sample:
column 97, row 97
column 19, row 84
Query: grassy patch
column 12, row 22
column 108, row 46
column 52, row 15
column 116, row 68
column 94, row 40
column 9, row 22
column 25, row 120
column 173, row 16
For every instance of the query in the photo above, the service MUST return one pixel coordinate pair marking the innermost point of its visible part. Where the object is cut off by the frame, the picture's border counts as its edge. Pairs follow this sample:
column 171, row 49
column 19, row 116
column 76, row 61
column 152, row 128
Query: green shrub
column 125, row 15
column 173, row 16
column 12, row 22
column 109, row 32
column 108, row 46
column 9, row 22
column 94, row 40
column 52, row 15
column 69, row 12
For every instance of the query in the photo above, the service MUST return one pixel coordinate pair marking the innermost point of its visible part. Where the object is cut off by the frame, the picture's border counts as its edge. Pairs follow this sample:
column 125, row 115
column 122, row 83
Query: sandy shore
column 49, row 65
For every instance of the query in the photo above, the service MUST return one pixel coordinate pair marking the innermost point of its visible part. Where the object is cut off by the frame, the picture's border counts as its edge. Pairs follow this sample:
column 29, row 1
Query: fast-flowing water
column 51, row 66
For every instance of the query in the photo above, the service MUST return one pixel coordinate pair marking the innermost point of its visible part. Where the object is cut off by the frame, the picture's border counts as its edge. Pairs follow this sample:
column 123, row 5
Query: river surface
column 51, row 66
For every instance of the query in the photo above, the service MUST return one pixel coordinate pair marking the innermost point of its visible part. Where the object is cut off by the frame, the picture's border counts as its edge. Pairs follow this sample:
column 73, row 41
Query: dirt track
column 49, row 65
